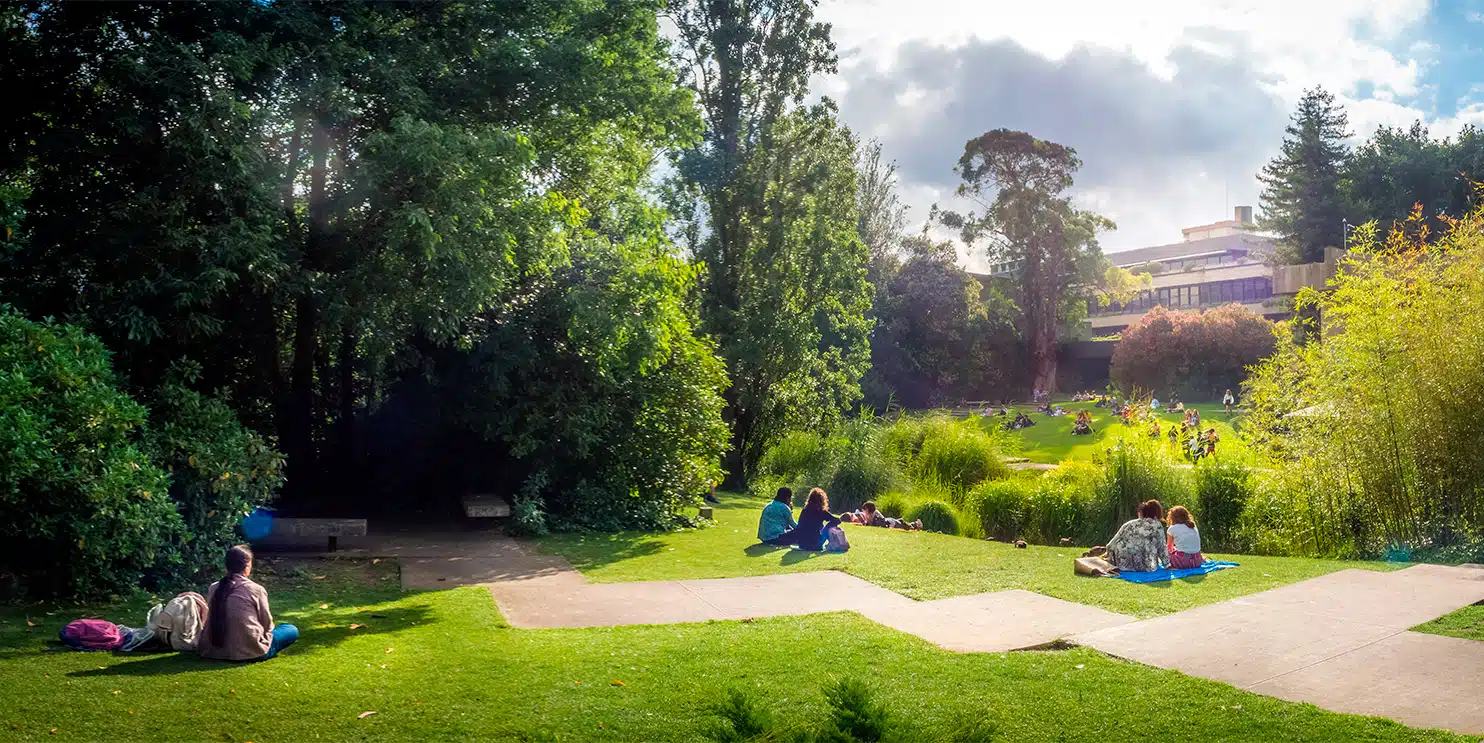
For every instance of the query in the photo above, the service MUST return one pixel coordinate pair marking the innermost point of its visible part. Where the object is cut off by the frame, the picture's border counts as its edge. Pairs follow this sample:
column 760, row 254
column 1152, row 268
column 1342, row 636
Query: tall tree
column 1303, row 196
column 940, row 335
column 784, row 290
column 304, row 197
column 1019, row 181
column 883, row 216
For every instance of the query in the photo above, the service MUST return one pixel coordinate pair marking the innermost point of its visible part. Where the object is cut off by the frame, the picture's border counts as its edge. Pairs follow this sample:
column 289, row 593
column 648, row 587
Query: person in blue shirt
column 813, row 520
column 778, row 516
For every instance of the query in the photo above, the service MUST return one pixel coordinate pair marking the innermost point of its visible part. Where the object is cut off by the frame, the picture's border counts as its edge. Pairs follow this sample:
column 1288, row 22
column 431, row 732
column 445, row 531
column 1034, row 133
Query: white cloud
column 1174, row 106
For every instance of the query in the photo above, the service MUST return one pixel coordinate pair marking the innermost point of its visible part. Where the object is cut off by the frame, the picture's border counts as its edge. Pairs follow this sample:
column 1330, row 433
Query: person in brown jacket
column 238, row 624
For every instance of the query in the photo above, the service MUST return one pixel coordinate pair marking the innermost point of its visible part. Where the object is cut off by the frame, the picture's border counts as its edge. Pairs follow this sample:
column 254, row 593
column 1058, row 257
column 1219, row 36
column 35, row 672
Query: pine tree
column 1302, row 198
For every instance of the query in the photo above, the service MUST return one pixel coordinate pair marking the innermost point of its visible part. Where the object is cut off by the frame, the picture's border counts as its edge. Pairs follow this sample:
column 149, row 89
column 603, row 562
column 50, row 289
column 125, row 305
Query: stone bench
column 485, row 507
column 332, row 529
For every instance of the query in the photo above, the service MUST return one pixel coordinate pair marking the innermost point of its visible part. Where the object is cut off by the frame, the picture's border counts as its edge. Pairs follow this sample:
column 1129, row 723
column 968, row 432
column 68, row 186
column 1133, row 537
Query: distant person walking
column 1228, row 400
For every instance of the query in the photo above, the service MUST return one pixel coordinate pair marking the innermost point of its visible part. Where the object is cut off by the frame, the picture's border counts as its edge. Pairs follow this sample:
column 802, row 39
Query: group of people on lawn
column 777, row 525
column 1149, row 542
column 1154, row 540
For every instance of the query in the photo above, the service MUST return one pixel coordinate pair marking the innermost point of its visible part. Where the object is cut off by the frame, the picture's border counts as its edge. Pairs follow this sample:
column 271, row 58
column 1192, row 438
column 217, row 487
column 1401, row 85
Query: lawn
column 1467, row 623
column 1051, row 439
column 444, row 666
column 920, row 565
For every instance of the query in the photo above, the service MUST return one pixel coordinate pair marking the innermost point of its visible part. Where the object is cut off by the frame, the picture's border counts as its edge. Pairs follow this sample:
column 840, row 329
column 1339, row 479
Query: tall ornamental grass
column 1377, row 417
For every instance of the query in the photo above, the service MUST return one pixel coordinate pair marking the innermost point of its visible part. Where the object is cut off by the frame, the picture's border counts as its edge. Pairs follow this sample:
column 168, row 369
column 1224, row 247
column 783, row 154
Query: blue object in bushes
column 257, row 524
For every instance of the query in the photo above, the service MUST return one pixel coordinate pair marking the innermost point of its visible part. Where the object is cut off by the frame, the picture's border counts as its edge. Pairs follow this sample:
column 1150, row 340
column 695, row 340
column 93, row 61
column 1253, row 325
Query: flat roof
column 1191, row 248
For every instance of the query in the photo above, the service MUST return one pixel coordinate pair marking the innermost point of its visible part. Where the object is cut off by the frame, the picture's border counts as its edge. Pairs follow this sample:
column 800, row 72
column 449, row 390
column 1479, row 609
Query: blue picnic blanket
column 1155, row 576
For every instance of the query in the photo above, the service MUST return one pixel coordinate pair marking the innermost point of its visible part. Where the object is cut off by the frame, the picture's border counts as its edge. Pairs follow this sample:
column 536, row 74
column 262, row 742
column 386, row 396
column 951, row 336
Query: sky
column 1173, row 108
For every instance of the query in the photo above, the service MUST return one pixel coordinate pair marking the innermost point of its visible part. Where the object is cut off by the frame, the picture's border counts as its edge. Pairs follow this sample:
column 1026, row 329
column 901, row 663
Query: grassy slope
column 1051, row 439
column 920, row 565
column 443, row 666
column 1467, row 623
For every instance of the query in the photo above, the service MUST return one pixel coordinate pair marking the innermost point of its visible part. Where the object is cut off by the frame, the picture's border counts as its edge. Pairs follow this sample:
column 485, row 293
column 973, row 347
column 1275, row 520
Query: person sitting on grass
column 869, row 516
column 1139, row 545
column 1083, row 426
column 813, row 520
column 778, row 516
column 1154, row 429
column 238, row 624
column 1184, row 540
column 1195, row 418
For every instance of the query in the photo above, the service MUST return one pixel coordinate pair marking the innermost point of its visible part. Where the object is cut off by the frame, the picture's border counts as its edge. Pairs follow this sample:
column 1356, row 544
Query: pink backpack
column 92, row 634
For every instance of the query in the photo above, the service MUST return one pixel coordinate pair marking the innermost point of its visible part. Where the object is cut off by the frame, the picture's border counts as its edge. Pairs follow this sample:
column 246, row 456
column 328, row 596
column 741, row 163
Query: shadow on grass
column 312, row 639
column 795, row 557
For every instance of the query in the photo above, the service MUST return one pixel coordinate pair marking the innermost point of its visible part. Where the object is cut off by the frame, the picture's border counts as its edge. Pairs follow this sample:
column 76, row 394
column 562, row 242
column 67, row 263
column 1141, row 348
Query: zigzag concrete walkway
column 1340, row 641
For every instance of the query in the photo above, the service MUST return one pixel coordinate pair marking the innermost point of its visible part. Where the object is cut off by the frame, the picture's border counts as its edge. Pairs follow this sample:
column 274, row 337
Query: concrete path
column 1339, row 641
column 989, row 622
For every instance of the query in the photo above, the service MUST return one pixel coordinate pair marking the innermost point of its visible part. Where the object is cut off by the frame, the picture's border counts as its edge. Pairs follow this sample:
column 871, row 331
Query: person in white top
column 1184, row 540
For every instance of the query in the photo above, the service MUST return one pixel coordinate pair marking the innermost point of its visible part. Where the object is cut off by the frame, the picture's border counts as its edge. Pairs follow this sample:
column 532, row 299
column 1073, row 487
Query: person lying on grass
column 815, row 518
column 869, row 516
column 238, row 624
column 1183, row 540
column 1139, row 545
column 778, row 516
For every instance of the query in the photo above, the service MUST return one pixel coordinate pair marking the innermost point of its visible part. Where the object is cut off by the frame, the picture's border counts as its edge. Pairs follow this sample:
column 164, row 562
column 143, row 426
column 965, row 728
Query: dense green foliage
column 917, row 457
column 328, row 210
column 935, row 516
column 769, row 203
column 599, row 356
column 82, row 508
column 1188, row 355
column 219, row 470
column 100, row 495
column 1372, row 418
column 940, row 336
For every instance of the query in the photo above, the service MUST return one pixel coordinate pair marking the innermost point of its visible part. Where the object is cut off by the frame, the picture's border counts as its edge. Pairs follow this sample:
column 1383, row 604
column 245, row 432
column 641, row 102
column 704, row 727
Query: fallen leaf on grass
column 1081, row 666
column 365, row 714
column 383, row 665
column 115, row 690
column 324, row 606
column 30, row 623
column 131, row 711
column 355, row 627
column 53, row 731
column 579, row 683
column 376, row 561
column 316, row 577
column 389, row 650
column 616, row 682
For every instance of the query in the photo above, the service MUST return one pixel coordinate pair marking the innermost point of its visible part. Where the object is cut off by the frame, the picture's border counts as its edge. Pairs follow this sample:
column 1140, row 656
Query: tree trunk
column 303, row 464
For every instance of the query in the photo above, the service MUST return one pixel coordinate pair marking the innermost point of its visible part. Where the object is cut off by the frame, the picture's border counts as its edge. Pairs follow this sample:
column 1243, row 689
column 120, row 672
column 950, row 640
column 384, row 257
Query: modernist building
column 1216, row 264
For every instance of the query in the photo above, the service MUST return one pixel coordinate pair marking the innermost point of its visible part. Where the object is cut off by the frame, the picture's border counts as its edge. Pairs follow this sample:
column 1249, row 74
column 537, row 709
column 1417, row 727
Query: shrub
column 936, row 516
column 1000, row 506
column 855, row 714
column 795, row 458
column 82, row 509
column 220, row 471
column 893, row 505
column 743, row 719
column 1223, row 487
column 959, row 455
column 1194, row 355
column 861, row 473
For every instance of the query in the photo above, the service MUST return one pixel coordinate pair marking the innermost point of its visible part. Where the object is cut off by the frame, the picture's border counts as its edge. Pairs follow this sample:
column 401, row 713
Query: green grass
column 917, row 564
column 1467, row 623
column 444, row 666
column 1051, row 439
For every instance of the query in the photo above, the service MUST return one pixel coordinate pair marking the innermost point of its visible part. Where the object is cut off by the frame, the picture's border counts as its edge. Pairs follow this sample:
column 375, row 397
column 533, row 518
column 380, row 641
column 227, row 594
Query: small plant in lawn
column 743, row 719
column 855, row 714
column 936, row 516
